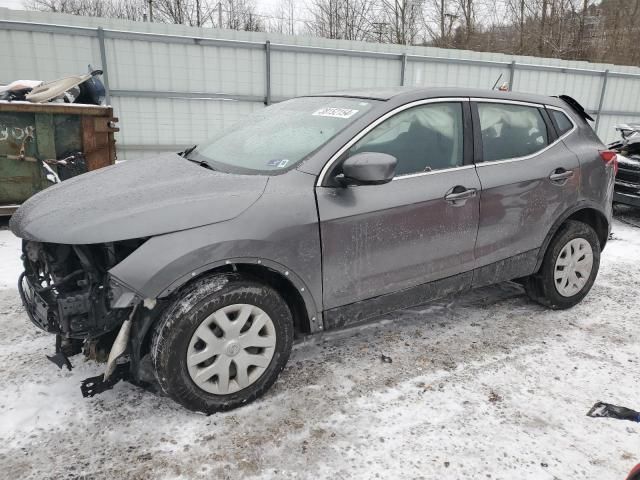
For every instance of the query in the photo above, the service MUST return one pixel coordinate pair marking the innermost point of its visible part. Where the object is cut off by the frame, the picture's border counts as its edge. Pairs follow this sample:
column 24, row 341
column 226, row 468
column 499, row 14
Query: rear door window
column 511, row 131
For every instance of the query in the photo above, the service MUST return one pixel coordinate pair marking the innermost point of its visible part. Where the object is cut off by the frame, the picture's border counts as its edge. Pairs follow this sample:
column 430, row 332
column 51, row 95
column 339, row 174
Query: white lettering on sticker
column 335, row 112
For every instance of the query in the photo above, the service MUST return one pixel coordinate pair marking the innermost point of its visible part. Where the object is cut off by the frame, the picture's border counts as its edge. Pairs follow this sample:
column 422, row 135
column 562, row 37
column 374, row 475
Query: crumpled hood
column 133, row 199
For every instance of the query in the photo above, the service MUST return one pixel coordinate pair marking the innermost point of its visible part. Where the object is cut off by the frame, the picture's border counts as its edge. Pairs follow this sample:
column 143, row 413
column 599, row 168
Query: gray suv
column 194, row 272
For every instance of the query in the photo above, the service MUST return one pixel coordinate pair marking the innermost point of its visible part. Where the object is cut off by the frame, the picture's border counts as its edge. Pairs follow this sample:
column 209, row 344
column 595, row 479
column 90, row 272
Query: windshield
column 280, row 136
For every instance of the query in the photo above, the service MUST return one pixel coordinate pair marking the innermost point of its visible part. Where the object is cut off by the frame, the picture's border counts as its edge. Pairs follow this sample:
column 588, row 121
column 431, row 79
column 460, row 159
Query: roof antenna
column 496, row 84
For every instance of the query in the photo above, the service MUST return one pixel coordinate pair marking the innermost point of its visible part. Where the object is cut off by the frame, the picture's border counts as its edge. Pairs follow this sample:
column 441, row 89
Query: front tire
column 569, row 267
column 222, row 343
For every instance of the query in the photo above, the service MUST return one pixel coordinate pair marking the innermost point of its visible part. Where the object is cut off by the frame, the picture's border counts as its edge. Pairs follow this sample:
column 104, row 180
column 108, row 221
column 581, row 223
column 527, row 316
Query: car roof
column 413, row 93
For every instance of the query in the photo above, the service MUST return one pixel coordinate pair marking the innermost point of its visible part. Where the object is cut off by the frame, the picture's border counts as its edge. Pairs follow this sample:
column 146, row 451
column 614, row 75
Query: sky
column 15, row 4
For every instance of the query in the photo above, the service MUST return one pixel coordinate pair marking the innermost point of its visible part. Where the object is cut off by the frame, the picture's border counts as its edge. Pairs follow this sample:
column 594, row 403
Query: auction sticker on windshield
column 335, row 112
column 278, row 163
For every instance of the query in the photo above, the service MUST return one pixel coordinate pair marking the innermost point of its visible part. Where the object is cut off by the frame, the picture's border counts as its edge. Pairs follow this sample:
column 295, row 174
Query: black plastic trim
column 552, row 131
column 359, row 312
column 517, row 266
column 558, row 223
column 478, row 154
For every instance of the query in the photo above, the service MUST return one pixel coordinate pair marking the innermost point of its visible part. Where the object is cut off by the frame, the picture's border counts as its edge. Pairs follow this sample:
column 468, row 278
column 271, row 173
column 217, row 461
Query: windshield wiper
column 202, row 163
column 187, row 151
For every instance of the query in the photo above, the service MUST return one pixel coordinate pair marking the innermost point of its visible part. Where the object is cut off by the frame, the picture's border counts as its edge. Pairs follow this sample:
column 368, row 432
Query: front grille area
column 65, row 288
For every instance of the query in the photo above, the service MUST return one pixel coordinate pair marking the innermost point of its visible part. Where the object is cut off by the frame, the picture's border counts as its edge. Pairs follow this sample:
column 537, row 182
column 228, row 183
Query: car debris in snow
column 385, row 359
column 60, row 358
column 94, row 385
column 601, row 409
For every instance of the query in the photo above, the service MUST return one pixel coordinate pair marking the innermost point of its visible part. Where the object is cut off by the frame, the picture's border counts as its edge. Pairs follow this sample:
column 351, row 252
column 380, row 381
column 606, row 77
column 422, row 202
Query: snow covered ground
column 488, row 385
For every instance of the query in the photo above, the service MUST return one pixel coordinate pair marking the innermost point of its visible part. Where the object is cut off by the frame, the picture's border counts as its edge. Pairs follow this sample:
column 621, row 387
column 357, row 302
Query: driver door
column 418, row 228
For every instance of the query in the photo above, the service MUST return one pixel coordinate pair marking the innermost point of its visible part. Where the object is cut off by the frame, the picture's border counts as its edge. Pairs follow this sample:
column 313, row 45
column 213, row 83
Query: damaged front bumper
column 67, row 290
column 113, row 372
column 82, row 314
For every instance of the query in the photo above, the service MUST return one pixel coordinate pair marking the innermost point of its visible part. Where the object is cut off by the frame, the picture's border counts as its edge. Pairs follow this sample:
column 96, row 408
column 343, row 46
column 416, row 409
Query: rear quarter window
column 563, row 124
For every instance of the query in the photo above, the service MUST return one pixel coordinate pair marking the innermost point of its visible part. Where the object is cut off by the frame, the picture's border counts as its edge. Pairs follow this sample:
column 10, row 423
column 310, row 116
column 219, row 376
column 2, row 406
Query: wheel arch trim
column 582, row 206
column 314, row 314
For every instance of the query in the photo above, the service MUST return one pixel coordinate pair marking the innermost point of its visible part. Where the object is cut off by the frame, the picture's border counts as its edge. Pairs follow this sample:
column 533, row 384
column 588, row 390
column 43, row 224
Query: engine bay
column 66, row 288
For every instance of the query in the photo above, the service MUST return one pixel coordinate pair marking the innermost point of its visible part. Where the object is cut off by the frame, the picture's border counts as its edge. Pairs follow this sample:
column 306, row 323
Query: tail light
column 610, row 158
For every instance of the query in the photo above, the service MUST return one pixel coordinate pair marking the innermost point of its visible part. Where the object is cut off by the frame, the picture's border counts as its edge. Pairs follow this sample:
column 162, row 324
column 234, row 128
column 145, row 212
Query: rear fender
column 585, row 205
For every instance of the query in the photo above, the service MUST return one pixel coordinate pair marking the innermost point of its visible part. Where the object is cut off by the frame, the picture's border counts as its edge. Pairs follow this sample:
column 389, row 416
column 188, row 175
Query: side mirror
column 368, row 168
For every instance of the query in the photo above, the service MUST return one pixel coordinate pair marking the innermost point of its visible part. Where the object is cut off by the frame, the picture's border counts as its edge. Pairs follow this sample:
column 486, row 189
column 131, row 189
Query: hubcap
column 573, row 267
column 231, row 349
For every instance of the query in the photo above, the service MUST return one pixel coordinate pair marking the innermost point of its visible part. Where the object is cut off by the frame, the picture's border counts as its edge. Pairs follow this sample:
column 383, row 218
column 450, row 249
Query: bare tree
column 237, row 14
column 468, row 11
column 240, row 15
column 543, row 22
column 130, row 10
column 521, row 14
column 284, row 17
column 405, row 20
column 594, row 30
column 440, row 17
column 196, row 13
column 344, row 19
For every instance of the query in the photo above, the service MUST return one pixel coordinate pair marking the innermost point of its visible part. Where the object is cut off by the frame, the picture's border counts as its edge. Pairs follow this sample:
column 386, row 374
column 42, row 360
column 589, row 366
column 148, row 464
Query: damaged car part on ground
column 315, row 213
column 607, row 410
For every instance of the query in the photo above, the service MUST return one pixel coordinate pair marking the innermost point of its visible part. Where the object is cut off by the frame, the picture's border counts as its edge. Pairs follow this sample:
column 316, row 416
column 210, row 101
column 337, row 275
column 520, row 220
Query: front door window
column 423, row 138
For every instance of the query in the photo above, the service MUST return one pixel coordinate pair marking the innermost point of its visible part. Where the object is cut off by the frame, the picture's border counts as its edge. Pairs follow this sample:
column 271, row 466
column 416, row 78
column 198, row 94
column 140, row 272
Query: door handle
column 458, row 194
column 560, row 174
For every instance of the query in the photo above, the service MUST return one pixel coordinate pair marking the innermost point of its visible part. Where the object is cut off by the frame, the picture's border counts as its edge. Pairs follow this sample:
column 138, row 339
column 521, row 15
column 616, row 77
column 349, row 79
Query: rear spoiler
column 576, row 107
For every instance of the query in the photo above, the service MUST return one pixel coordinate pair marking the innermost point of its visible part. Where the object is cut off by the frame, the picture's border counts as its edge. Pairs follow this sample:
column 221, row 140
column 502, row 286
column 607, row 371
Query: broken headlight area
column 67, row 290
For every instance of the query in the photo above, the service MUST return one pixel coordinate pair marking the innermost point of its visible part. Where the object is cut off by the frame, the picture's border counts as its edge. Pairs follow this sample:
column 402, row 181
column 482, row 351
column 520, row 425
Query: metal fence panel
column 155, row 122
column 586, row 88
column 428, row 74
column 623, row 94
column 297, row 73
column 143, row 65
column 36, row 55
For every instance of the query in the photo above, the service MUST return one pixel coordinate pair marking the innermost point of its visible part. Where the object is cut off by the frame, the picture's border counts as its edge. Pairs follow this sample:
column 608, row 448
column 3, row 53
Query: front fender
column 289, row 246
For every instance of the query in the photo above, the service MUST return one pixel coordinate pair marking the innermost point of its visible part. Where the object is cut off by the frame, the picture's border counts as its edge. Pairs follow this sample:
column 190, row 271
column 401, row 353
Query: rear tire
column 222, row 343
column 569, row 267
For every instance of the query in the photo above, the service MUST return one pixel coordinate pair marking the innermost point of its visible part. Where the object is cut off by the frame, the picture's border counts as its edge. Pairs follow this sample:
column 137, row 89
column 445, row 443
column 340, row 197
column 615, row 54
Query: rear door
column 420, row 227
column 529, row 178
